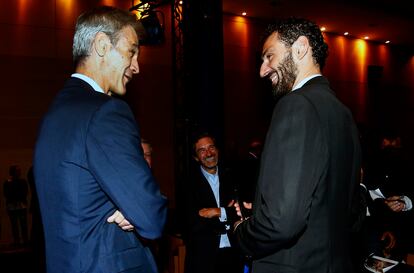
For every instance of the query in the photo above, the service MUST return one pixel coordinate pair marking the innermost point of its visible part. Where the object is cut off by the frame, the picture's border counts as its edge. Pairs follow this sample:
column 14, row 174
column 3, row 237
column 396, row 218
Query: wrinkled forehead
column 273, row 44
column 204, row 142
column 271, row 39
column 129, row 34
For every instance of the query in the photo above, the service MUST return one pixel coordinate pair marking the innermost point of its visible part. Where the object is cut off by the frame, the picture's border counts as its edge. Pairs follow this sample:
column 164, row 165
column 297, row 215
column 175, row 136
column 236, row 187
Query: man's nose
column 134, row 65
column 264, row 69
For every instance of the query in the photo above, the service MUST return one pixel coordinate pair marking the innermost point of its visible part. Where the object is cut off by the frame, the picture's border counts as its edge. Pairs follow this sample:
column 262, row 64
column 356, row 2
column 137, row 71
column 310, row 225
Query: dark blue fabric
column 88, row 163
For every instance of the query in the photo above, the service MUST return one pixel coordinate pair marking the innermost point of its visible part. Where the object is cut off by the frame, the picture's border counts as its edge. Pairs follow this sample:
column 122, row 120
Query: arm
column 292, row 164
column 116, row 160
column 399, row 203
column 220, row 212
column 197, row 208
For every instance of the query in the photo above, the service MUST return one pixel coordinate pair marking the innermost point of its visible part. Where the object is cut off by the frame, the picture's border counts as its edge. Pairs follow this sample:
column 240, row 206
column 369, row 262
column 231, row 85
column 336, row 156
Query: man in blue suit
column 89, row 167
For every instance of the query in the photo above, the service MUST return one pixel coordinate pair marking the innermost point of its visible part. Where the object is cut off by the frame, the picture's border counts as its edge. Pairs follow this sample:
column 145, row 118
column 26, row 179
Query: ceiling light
column 346, row 33
column 388, row 41
column 147, row 13
column 323, row 28
column 244, row 13
column 181, row 2
column 366, row 37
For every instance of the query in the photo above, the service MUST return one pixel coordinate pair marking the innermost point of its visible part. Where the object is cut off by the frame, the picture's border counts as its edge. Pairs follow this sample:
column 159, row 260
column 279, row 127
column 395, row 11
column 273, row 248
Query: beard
column 286, row 75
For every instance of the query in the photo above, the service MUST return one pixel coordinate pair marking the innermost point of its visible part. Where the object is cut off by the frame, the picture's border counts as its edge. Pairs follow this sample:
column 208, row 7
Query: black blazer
column 202, row 235
column 309, row 173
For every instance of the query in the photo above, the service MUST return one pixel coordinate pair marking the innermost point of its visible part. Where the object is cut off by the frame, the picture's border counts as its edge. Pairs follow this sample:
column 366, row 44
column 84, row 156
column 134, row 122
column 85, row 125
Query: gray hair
column 108, row 20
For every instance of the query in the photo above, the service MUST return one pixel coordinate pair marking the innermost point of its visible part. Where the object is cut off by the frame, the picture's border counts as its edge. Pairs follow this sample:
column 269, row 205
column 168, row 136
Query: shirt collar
column 207, row 174
column 305, row 80
column 91, row 82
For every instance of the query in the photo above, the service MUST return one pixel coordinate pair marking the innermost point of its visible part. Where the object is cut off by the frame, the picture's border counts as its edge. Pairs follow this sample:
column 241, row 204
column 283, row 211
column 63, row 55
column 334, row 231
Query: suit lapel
column 206, row 188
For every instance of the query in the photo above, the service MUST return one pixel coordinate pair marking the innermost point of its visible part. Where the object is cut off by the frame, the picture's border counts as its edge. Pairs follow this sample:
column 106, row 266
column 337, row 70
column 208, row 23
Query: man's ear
column 300, row 47
column 101, row 44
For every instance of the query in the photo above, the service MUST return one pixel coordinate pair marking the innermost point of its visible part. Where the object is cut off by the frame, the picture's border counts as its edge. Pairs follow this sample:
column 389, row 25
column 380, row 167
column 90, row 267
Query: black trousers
column 228, row 261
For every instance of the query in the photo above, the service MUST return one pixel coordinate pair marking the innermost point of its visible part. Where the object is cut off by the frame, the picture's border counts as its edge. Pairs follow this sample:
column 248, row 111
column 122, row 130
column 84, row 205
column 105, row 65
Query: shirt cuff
column 223, row 216
column 408, row 203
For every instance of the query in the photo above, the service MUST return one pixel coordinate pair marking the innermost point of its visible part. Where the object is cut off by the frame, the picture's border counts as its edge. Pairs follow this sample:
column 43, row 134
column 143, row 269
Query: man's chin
column 211, row 166
column 119, row 92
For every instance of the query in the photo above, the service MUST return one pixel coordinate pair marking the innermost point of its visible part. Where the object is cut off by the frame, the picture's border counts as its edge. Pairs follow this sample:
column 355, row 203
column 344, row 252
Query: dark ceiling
column 381, row 20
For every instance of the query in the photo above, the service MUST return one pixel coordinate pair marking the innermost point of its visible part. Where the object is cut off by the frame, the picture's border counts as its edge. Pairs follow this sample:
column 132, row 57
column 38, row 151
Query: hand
column 245, row 204
column 209, row 212
column 395, row 203
column 120, row 220
column 389, row 240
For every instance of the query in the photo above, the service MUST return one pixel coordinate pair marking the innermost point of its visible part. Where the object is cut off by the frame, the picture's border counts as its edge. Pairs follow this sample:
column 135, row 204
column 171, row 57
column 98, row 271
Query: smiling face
column 278, row 65
column 122, row 61
column 206, row 154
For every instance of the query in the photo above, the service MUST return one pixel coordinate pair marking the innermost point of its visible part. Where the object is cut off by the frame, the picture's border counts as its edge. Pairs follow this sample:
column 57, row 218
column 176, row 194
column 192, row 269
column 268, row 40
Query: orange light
column 244, row 13
column 366, row 37
column 361, row 53
column 323, row 28
column 108, row 2
column 181, row 2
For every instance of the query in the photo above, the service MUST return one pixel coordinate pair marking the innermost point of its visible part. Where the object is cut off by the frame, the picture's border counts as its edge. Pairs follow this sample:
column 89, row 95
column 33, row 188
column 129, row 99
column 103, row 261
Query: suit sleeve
column 194, row 224
column 292, row 163
column 115, row 157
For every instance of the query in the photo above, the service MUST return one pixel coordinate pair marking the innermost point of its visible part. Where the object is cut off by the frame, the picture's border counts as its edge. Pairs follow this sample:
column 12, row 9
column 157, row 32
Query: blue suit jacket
column 88, row 163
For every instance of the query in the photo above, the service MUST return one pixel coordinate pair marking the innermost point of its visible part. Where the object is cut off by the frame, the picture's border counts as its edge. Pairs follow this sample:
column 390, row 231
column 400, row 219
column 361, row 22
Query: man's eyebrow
column 264, row 54
column 135, row 48
column 266, row 51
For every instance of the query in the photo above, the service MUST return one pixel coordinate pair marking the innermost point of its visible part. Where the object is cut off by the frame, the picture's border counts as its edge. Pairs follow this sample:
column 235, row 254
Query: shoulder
column 114, row 115
column 293, row 105
column 78, row 96
column 195, row 173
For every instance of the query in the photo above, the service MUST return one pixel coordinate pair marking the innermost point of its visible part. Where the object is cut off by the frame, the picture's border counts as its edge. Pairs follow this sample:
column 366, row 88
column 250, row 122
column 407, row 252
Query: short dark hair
column 109, row 20
column 199, row 135
column 290, row 29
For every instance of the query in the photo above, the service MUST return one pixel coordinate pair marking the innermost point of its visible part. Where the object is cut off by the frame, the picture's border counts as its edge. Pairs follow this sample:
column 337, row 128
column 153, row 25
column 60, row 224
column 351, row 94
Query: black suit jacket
column 202, row 235
column 309, row 173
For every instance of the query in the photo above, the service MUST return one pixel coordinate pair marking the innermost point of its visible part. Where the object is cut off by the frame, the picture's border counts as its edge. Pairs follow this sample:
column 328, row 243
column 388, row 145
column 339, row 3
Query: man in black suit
column 208, row 213
column 310, row 165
